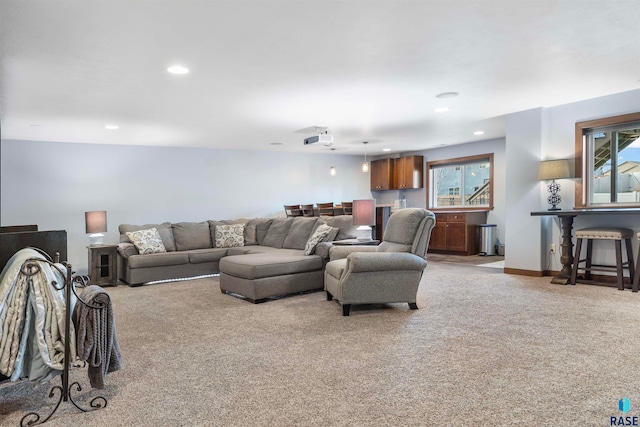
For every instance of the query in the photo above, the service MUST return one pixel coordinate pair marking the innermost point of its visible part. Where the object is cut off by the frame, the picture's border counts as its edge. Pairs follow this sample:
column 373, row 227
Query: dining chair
column 307, row 210
column 347, row 208
column 292, row 210
column 325, row 209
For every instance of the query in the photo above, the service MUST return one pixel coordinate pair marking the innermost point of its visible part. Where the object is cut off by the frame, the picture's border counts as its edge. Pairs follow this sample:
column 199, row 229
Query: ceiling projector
column 324, row 138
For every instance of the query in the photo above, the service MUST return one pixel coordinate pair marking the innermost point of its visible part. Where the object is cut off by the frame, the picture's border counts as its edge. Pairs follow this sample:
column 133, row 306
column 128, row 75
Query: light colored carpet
column 497, row 264
column 484, row 349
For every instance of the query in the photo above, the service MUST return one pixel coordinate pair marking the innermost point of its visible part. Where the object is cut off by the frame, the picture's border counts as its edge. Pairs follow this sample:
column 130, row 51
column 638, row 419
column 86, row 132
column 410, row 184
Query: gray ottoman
column 260, row 276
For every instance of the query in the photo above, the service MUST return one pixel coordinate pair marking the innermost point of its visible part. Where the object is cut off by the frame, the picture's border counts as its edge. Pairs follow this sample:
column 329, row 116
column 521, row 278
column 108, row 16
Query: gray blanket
column 96, row 335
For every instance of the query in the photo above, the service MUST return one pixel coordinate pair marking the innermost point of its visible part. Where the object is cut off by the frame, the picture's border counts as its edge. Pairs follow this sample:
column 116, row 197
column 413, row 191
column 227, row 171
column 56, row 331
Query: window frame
column 452, row 162
column 582, row 160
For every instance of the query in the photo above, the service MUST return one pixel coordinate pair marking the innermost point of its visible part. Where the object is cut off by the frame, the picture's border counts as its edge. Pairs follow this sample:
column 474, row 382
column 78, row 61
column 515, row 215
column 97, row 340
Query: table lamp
column 552, row 170
column 364, row 215
column 96, row 224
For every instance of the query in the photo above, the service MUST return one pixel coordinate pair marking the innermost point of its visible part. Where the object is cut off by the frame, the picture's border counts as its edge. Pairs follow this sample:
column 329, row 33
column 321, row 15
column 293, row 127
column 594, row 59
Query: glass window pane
column 601, row 144
column 628, row 161
column 447, row 181
column 476, row 184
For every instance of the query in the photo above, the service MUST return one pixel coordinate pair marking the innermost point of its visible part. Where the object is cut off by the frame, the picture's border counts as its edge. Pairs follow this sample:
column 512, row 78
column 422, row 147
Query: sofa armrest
column 126, row 250
column 322, row 249
column 339, row 252
column 358, row 262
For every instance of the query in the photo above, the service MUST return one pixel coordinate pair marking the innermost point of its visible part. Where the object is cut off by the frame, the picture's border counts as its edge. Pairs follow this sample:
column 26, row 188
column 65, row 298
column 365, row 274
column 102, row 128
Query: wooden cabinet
column 381, row 174
column 397, row 174
column 103, row 265
column 408, row 172
column 456, row 232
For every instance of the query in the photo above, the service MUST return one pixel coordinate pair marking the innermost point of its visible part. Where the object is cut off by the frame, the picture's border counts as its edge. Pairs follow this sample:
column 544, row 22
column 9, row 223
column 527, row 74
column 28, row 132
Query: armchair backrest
column 408, row 230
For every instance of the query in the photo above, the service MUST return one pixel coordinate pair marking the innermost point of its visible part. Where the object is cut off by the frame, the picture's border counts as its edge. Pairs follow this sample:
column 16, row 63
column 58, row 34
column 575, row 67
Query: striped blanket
column 32, row 319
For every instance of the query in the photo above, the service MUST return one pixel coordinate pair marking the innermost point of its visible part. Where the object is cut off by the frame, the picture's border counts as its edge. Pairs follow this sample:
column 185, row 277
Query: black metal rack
column 29, row 268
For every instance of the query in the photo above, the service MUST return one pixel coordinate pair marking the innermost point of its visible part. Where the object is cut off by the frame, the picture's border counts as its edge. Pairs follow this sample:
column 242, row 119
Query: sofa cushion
column 277, row 232
column 268, row 265
column 250, row 237
column 345, row 224
column 319, row 235
column 252, row 249
column 393, row 247
column 164, row 229
column 158, row 260
column 147, row 241
column 262, row 226
column 191, row 235
column 229, row 236
column 199, row 256
column 299, row 232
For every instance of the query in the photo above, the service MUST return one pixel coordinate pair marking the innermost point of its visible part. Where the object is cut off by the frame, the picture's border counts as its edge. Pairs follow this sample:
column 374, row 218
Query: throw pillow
column 229, row 236
column 320, row 233
column 147, row 241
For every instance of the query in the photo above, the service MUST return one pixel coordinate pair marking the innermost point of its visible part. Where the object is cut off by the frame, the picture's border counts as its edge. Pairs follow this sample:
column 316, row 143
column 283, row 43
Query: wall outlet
column 552, row 248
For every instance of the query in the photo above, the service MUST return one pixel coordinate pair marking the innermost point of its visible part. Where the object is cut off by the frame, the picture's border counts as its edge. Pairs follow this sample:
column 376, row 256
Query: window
column 461, row 182
column 608, row 162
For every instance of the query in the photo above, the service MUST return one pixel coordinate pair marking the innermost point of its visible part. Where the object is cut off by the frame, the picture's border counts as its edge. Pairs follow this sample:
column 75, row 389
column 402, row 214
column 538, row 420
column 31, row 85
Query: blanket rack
column 29, row 268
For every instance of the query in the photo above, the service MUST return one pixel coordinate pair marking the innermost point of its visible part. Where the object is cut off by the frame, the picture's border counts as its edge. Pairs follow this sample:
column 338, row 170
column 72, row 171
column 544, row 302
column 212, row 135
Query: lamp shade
column 364, row 212
column 554, row 169
column 95, row 221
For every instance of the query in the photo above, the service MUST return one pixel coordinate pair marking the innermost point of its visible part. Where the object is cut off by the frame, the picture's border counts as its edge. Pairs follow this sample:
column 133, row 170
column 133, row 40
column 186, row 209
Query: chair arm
column 339, row 252
column 384, row 261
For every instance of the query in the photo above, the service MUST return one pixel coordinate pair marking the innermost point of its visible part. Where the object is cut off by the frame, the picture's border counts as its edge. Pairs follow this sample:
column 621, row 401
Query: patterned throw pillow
column 229, row 236
column 147, row 241
column 321, row 232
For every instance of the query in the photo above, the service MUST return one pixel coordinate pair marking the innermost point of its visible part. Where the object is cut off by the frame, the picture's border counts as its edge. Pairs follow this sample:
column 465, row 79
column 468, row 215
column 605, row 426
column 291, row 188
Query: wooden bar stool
column 603, row 233
column 636, row 277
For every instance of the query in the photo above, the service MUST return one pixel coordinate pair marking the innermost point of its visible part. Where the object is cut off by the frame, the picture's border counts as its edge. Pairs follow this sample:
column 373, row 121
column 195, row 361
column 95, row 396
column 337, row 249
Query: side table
column 103, row 267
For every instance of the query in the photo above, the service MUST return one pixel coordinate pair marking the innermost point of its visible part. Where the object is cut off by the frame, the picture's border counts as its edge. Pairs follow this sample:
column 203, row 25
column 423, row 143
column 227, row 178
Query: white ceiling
column 263, row 69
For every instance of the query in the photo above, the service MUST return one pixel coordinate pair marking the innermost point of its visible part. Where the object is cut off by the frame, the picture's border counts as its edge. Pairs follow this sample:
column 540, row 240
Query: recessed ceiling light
column 276, row 143
column 441, row 109
column 386, row 149
column 479, row 132
column 112, row 127
column 447, row 95
column 178, row 69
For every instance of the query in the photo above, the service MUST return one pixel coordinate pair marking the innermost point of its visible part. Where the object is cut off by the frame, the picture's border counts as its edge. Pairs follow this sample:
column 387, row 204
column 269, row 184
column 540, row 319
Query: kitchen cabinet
column 408, row 172
column 456, row 232
column 381, row 174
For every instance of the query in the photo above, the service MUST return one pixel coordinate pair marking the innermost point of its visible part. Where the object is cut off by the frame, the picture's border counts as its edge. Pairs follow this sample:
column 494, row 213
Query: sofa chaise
column 256, row 258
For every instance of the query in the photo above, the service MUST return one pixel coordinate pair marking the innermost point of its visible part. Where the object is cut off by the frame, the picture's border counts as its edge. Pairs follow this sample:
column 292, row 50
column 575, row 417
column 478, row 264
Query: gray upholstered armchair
column 388, row 273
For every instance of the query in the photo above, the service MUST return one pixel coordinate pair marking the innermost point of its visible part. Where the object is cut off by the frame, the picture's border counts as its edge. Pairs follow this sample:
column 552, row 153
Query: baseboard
column 550, row 272
column 606, row 280
column 522, row 272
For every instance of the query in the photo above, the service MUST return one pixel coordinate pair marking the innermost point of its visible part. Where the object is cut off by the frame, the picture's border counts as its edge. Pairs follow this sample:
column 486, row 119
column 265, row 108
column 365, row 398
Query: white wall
column 542, row 134
column 52, row 184
column 560, row 143
column 523, row 239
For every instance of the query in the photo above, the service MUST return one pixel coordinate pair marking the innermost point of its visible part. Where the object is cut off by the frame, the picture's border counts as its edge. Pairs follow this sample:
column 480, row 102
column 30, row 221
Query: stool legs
column 634, row 274
column 576, row 262
column 587, row 273
column 636, row 277
column 619, row 271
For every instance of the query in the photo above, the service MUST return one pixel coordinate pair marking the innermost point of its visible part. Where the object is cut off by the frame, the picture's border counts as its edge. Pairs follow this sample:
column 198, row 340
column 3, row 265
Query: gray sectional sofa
column 270, row 262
